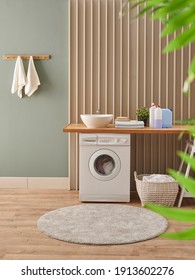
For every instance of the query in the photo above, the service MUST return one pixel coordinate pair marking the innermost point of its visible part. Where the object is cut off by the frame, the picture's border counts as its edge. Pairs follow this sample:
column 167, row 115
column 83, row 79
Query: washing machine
column 104, row 167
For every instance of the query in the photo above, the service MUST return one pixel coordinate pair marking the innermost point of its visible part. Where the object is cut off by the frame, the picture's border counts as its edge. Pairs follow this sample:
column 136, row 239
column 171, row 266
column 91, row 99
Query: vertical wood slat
column 77, row 60
column 113, row 77
column 91, row 109
column 121, row 62
column 159, row 66
column 167, row 75
column 152, row 88
column 109, row 68
column 69, row 90
column 137, row 84
column 145, row 59
column 152, row 63
column 128, row 59
column 106, row 57
column 137, row 61
column 69, row 66
column 182, row 73
column 77, row 91
column 189, row 61
column 99, row 38
column 144, row 90
column 174, row 82
column 72, row 138
column 84, row 54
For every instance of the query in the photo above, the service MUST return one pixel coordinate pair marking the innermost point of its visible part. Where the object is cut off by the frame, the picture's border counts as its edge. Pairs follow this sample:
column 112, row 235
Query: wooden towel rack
column 26, row 56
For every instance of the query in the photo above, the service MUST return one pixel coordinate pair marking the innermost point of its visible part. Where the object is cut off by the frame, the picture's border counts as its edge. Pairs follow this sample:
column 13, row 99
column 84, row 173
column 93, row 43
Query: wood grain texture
column 26, row 56
column 21, row 240
column 81, row 128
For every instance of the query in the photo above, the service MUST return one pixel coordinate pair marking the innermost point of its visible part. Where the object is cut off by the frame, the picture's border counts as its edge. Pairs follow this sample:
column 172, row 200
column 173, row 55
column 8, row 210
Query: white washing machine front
column 104, row 165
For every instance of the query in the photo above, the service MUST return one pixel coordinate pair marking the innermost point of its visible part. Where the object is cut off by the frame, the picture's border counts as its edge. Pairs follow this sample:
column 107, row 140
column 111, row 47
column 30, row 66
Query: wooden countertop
column 81, row 128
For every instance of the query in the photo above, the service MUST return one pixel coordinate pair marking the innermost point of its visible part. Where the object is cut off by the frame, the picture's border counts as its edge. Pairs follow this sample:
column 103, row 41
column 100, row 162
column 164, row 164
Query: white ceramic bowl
column 96, row 120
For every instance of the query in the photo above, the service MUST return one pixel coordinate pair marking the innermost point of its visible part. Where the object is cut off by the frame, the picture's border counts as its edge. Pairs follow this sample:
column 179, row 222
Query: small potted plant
column 143, row 115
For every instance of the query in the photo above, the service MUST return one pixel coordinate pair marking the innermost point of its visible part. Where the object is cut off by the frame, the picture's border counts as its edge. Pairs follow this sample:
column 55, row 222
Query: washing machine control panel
column 87, row 139
column 112, row 140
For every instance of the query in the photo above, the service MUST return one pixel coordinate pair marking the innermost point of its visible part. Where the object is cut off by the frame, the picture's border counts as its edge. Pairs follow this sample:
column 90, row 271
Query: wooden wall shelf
column 26, row 56
column 81, row 128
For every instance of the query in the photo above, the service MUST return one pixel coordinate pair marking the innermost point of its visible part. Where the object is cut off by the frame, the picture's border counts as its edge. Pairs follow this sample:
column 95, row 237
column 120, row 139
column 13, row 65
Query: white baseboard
column 13, row 182
column 34, row 183
column 48, row 183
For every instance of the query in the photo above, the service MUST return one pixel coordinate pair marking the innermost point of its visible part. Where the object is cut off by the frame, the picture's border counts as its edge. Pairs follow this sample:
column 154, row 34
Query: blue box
column 166, row 118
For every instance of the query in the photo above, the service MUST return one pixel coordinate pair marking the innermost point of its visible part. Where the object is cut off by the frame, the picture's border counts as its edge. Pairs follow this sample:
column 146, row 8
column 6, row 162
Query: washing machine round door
column 104, row 165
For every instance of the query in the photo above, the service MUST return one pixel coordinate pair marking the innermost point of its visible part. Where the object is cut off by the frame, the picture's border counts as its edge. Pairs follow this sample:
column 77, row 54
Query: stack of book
column 124, row 122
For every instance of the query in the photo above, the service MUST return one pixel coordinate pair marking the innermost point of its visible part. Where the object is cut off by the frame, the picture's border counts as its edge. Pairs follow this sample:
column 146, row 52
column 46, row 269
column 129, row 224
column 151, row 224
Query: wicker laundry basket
column 163, row 193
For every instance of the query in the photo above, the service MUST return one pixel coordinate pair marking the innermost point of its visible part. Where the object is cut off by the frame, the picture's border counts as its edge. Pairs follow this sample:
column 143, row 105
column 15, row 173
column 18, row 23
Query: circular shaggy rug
column 101, row 223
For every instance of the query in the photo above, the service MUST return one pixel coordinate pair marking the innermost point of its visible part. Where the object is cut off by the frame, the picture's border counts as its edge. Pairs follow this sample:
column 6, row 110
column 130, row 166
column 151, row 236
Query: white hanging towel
column 19, row 79
column 32, row 78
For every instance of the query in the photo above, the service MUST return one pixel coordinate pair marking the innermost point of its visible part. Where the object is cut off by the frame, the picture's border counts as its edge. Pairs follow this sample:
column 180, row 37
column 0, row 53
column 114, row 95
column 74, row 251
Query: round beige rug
column 102, row 223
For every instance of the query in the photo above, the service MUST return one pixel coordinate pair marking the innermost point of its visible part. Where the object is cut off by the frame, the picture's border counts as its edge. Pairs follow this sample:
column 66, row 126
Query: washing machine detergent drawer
column 104, row 170
column 91, row 139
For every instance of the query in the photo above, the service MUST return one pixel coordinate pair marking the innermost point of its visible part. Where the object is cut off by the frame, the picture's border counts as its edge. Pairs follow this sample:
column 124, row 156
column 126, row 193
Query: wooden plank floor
column 21, row 240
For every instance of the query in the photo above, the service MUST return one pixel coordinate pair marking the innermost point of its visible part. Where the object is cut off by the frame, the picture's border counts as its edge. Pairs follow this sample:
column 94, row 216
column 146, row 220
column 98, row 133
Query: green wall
column 31, row 139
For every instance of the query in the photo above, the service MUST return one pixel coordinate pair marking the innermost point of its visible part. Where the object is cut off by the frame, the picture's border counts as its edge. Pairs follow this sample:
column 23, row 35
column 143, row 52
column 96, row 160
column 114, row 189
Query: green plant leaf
column 183, row 39
column 187, row 82
column 192, row 131
column 188, row 234
column 179, row 214
column 176, row 15
column 185, row 182
column 168, row 10
column 186, row 122
column 188, row 160
column 192, row 66
column 145, row 9
column 179, row 21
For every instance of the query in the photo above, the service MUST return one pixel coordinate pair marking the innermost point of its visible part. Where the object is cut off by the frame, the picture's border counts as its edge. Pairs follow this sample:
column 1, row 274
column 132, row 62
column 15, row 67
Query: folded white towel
column 32, row 78
column 19, row 78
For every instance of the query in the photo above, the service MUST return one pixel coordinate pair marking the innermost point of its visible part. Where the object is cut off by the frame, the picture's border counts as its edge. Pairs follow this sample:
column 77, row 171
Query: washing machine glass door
column 104, row 165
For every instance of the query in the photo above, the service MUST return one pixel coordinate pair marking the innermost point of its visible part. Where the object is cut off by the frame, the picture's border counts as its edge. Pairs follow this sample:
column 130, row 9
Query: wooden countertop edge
column 81, row 128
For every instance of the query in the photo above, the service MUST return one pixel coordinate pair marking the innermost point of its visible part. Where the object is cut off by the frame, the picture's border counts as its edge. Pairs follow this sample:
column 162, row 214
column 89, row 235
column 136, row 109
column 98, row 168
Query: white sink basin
column 96, row 120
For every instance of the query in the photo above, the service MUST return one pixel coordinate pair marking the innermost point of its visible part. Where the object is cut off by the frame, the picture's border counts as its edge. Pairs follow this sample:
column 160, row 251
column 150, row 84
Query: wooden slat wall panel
column 116, row 65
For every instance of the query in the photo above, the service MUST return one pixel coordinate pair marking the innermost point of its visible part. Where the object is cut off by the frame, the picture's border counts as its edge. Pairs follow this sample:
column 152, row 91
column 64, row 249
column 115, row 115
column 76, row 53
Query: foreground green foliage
column 178, row 18
column 179, row 214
